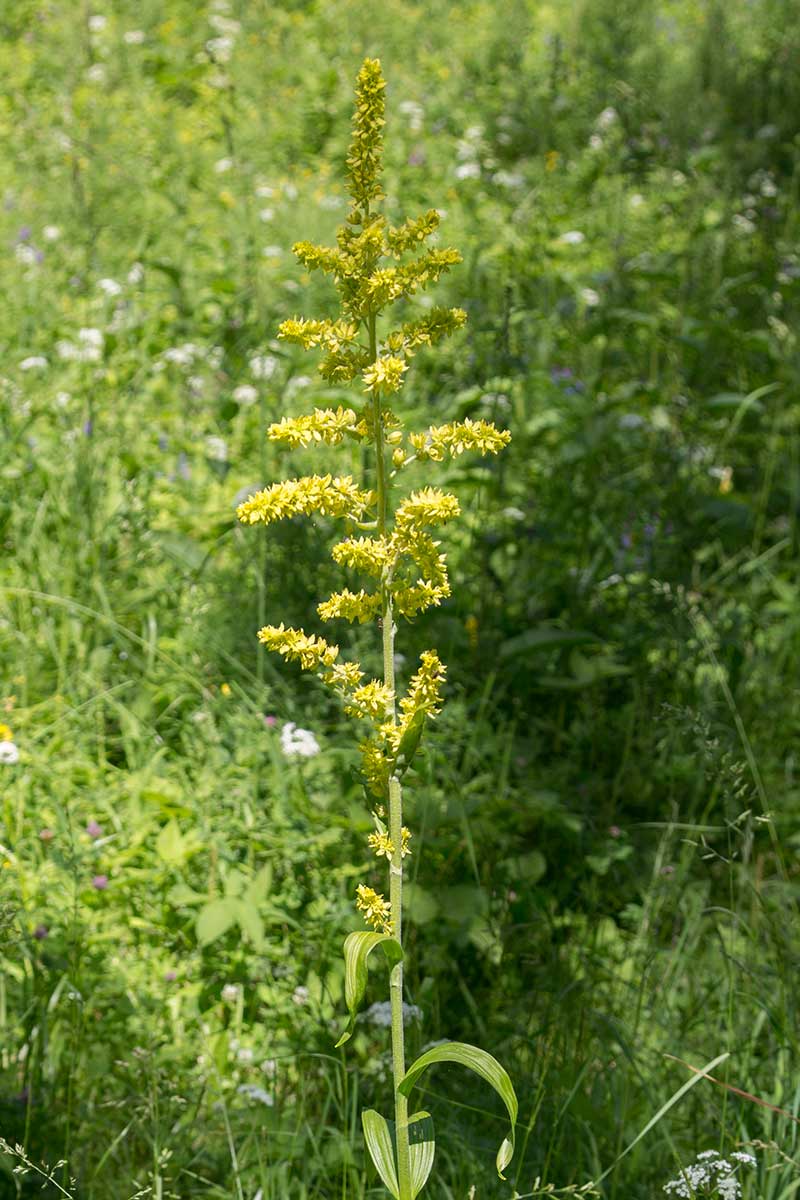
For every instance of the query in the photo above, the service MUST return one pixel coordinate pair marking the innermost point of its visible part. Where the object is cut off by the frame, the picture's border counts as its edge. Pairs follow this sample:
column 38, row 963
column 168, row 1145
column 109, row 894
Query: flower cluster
column 377, row 911
column 373, row 264
column 711, row 1175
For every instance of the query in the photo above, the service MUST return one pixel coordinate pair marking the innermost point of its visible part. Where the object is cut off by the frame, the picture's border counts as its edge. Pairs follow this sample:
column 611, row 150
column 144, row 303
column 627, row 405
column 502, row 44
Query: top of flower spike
column 364, row 158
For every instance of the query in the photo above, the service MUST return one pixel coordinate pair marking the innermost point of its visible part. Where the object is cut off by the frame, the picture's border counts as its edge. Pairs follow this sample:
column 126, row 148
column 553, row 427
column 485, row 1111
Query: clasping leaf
column 482, row 1064
column 357, row 949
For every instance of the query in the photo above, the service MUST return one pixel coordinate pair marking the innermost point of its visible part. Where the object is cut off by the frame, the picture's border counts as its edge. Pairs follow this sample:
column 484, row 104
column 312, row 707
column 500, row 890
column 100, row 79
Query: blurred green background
column 606, row 819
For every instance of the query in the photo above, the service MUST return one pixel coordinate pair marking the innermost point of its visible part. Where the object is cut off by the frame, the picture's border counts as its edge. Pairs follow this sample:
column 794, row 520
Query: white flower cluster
column 89, row 347
column 298, row 743
column 711, row 1175
column 380, row 1013
column 254, row 1092
column 9, row 754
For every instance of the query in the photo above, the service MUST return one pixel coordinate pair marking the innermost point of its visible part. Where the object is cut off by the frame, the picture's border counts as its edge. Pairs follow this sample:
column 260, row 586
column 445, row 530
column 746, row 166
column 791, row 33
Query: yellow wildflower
column 350, row 606
column 323, row 425
column 458, row 437
column 385, row 375
column 309, row 650
column 377, row 911
column 405, row 838
column 382, row 844
column 6, row 734
column 338, row 497
column 428, row 506
column 364, row 157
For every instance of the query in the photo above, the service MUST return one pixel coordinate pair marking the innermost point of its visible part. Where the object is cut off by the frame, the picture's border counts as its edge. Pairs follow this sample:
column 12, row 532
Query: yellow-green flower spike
column 364, row 158
column 373, row 265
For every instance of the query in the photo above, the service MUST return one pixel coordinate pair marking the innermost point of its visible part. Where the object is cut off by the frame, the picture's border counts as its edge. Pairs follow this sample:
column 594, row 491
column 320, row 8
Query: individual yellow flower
column 382, row 844
column 6, row 734
column 225, row 690
column 377, row 911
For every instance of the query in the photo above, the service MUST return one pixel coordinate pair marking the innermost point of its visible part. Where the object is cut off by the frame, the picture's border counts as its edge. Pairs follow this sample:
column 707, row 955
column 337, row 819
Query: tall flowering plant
column 388, row 540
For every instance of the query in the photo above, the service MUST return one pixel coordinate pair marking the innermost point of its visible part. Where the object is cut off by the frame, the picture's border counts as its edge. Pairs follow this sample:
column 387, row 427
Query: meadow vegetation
column 603, row 890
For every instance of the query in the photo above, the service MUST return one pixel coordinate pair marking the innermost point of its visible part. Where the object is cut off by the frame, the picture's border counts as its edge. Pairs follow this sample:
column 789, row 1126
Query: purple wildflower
column 40, row 932
column 94, row 830
column 100, row 882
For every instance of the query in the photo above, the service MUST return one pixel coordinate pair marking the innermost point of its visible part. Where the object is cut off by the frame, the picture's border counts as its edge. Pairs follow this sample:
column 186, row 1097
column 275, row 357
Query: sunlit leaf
column 379, row 1144
column 422, row 1146
column 357, row 949
column 482, row 1064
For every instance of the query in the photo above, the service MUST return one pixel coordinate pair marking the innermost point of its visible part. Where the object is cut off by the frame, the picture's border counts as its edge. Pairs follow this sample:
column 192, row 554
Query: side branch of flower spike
column 323, row 425
column 330, row 497
column 458, row 437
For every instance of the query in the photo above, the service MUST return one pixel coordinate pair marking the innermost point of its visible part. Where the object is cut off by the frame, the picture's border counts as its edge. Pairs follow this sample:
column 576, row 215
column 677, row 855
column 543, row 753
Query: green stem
column 395, row 815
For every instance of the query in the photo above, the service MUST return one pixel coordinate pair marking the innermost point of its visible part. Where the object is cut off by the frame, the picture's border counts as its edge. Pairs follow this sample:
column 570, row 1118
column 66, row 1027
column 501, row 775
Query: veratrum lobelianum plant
column 389, row 542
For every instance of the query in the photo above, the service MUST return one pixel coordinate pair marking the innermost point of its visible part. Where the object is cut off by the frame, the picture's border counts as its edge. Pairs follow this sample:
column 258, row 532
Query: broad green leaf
column 259, row 887
column 422, row 1145
column 482, row 1064
column 171, row 845
column 379, row 1144
column 215, row 919
column 357, row 949
column 250, row 922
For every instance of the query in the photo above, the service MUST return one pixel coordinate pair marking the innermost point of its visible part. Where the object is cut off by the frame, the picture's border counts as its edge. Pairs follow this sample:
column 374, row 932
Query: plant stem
column 395, row 816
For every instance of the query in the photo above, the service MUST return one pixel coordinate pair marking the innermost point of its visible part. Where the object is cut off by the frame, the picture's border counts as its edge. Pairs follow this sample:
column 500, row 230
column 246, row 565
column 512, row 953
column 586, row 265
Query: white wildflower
column 34, row 362
column 109, row 287
column 9, row 754
column 590, row 297
column 266, row 214
column 509, row 179
column 133, row 37
column 606, row 118
column 596, row 142
column 269, row 1066
column 63, row 399
column 415, row 113
column 380, row 1013
column 26, row 254
column 222, row 165
column 573, row 237
column 216, row 448
column 245, row 1055
column 220, row 48
column 263, row 366
column 136, row 273
column 230, row 993
column 246, row 394
column 298, row 384
column 97, row 22
column 264, row 191
column 636, row 200
column 300, row 993
column 51, row 233
column 254, row 1092
column 468, row 170
column 298, row 743
column 272, row 252
column 96, row 73
column 743, row 224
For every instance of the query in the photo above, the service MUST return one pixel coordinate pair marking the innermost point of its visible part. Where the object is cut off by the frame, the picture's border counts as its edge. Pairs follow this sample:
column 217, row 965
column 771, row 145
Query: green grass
column 606, row 822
